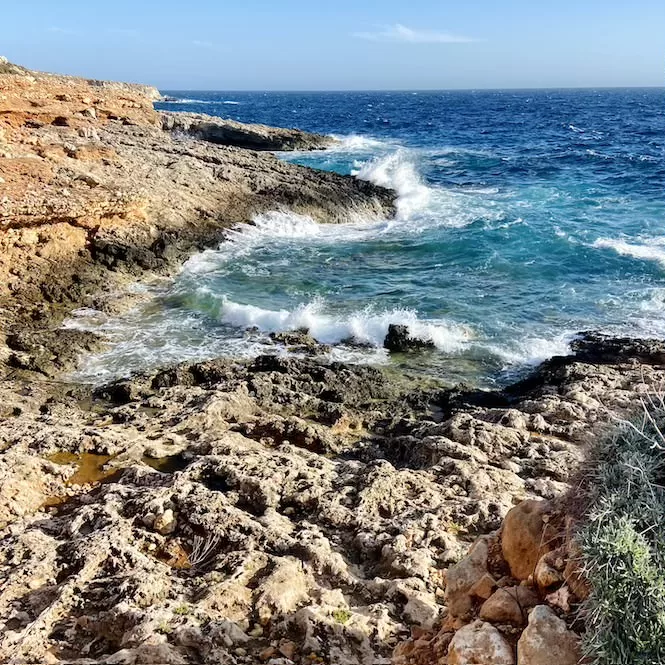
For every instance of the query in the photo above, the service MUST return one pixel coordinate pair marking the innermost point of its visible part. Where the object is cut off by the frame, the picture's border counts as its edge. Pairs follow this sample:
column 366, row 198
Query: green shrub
column 623, row 546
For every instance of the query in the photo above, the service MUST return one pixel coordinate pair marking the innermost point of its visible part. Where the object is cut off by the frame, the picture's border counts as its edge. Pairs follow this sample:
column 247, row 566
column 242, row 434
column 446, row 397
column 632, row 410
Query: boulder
column 480, row 643
column 399, row 340
column 547, row 640
column 525, row 537
column 509, row 605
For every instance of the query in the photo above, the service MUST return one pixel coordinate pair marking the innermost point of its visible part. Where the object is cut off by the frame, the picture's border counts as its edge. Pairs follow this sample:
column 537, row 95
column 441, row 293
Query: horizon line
column 417, row 90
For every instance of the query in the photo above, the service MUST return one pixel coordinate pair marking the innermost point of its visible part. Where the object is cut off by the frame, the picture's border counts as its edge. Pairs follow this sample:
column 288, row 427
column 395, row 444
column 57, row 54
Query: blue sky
column 341, row 45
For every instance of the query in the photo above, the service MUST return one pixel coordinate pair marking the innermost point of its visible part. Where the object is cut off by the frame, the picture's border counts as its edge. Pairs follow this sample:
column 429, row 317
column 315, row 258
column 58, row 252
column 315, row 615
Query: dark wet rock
column 399, row 340
column 231, row 133
column 300, row 341
column 595, row 347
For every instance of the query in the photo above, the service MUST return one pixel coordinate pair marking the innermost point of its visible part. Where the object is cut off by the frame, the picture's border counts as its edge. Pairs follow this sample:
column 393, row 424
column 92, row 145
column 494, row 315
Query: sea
column 523, row 218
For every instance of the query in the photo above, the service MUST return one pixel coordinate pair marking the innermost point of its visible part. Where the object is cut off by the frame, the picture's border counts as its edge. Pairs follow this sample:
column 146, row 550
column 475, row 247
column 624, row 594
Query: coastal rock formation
column 399, row 339
column 223, row 510
column 240, row 135
column 97, row 187
column 280, row 509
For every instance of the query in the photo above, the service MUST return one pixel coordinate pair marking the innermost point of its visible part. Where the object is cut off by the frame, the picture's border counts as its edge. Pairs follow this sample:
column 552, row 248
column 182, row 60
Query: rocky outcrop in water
column 240, row 135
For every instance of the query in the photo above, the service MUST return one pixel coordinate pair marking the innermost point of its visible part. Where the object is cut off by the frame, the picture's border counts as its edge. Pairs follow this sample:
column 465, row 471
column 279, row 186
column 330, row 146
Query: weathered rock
column 484, row 587
column 509, row 605
column 525, row 537
column 231, row 133
column 399, row 340
column 546, row 575
column 462, row 577
column 547, row 640
column 95, row 191
column 479, row 643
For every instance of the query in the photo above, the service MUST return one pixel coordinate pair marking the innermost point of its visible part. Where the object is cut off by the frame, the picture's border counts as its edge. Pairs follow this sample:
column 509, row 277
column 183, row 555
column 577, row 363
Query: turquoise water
column 523, row 218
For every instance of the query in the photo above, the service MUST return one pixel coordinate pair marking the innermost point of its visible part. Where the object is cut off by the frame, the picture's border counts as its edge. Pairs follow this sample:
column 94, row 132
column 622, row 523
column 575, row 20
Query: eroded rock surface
column 281, row 504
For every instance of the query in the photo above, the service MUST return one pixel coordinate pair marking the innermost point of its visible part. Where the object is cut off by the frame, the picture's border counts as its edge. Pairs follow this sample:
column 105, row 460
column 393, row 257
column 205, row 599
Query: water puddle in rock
column 90, row 467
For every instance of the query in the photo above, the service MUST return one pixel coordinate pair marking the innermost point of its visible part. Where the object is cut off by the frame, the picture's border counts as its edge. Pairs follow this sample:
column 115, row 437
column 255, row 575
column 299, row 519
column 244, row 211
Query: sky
column 342, row 45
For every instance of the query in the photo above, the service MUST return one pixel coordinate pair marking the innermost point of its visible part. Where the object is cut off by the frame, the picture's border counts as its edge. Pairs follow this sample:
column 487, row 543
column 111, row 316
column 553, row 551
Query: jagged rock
column 547, row 640
column 546, row 575
column 399, row 339
column 509, row 605
column 479, row 643
column 484, row 587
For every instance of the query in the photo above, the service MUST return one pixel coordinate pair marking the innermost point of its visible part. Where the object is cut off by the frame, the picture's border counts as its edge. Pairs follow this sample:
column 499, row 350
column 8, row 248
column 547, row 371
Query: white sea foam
column 358, row 143
column 397, row 171
column 330, row 328
column 648, row 249
column 533, row 350
column 185, row 100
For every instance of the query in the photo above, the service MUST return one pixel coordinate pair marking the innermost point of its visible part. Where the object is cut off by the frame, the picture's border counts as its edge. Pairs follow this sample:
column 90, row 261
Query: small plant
column 203, row 549
column 164, row 628
column 454, row 528
column 341, row 615
column 182, row 610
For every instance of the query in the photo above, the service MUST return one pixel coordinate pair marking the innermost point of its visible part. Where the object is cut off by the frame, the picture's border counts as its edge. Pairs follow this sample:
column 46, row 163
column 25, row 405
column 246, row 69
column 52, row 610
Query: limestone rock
column 479, row 643
column 463, row 576
column 547, row 640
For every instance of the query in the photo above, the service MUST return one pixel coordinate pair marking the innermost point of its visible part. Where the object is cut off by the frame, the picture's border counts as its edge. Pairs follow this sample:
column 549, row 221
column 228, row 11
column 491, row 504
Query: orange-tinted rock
column 525, row 537
column 509, row 605
column 484, row 587
column 546, row 575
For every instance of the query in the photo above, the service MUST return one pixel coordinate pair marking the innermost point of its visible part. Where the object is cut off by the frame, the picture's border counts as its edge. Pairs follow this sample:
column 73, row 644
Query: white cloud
column 61, row 31
column 400, row 33
column 203, row 44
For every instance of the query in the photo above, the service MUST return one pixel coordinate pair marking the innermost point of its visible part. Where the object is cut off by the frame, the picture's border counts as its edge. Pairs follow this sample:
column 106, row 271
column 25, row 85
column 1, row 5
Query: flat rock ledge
column 241, row 135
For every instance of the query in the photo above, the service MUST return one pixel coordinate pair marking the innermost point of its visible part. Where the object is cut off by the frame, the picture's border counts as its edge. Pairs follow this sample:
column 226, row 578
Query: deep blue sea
column 524, row 217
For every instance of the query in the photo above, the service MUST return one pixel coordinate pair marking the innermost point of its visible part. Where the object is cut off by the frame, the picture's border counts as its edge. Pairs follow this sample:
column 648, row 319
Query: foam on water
column 366, row 325
column 511, row 235
column 649, row 249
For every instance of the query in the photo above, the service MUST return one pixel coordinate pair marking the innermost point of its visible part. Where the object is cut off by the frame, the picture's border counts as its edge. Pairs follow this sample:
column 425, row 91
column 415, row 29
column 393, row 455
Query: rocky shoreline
column 280, row 510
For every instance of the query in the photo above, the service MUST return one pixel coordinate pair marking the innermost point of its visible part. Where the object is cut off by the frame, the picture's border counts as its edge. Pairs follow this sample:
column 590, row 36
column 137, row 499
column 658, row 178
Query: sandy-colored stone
column 509, row 605
column 479, row 643
column 525, row 537
column 462, row 576
column 547, row 640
